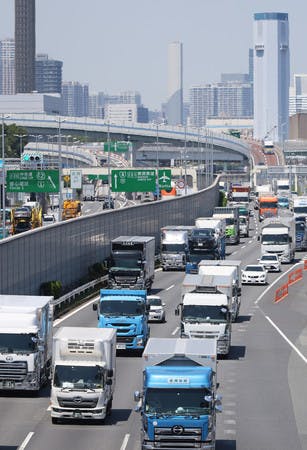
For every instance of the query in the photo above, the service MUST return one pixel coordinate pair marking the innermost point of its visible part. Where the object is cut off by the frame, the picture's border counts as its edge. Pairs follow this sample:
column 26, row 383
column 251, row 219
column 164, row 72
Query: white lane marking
column 243, row 246
column 286, row 339
column 26, row 441
column 276, row 281
column 170, row 287
column 250, row 242
column 175, row 331
column 234, row 253
column 58, row 321
column 125, row 442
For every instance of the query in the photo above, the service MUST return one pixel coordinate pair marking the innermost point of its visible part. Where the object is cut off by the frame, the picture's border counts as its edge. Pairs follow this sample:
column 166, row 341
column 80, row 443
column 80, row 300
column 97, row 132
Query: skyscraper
column 24, row 46
column 7, row 67
column 75, row 99
column 271, row 75
column 174, row 107
column 48, row 74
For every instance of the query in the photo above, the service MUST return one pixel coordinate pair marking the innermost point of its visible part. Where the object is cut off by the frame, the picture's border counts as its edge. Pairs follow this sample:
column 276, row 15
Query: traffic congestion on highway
column 205, row 350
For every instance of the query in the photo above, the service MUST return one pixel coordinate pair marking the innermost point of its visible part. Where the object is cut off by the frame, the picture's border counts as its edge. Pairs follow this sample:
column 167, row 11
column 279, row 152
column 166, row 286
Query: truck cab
column 174, row 247
column 126, row 311
column 179, row 400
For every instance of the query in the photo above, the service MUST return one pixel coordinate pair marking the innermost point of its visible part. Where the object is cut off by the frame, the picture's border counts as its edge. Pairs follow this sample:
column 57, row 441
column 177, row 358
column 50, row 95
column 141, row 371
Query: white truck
column 174, row 247
column 83, row 373
column 226, row 276
column 283, row 187
column 205, row 312
column 300, row 206
column 278, row 236
column 25, row 341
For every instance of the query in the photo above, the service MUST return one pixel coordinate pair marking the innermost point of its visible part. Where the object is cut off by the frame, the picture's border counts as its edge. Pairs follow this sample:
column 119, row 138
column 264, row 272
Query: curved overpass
column 177, row 135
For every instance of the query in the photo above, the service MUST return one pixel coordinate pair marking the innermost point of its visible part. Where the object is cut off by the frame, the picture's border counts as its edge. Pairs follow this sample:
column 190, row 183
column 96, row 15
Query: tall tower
column 7, row 67
column 24, row 46
column 271, row 76
column 174, row 107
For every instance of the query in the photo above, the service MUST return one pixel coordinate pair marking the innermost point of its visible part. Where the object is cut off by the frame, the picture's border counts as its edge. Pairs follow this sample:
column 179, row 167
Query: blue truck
column 127, row 311
column 178, row 402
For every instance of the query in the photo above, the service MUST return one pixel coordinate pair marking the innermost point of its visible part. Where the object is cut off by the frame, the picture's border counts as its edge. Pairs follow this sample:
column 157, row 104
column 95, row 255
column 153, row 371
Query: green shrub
column 53, row 288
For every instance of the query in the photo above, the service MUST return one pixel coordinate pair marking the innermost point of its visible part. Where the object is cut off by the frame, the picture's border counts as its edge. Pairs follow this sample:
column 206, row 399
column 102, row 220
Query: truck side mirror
column 177, row 312
column 94, row 306
column 290, row 238
column 239, row 291
column 109, row 382
column 137, row 396
column 258, row 238
column 110, row 373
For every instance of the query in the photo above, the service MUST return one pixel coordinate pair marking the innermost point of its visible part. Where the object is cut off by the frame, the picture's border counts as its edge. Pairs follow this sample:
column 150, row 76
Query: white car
column 254, row 274
column 270, row 262
column 48, row 219
column 156, row 309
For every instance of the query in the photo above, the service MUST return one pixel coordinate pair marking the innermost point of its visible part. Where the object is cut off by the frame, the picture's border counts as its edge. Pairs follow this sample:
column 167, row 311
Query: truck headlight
column 139, row 341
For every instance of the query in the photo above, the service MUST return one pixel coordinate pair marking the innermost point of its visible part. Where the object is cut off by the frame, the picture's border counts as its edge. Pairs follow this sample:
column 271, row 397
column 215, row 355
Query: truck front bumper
column 150, row 445
column 130, row 342
column 78, row 414
column 223, row 346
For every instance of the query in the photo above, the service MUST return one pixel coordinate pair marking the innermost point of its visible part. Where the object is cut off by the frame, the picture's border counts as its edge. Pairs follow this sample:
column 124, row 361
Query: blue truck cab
column 178, row 402
column 127, row 311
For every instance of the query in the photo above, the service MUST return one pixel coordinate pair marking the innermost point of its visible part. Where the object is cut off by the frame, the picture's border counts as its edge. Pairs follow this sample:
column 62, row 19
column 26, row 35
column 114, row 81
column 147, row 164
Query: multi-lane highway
column 263, row 382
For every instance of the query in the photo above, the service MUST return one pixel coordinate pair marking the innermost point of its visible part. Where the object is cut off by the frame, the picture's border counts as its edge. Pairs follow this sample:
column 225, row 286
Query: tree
column 12, row 142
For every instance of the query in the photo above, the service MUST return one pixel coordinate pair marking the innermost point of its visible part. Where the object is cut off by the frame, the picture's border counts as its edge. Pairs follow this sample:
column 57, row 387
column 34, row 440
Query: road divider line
column 243, row 246
column 170, row 287
column 175, row 331
column 26, row 441
column 125, row 442
column 67, row 316
column 286, row 339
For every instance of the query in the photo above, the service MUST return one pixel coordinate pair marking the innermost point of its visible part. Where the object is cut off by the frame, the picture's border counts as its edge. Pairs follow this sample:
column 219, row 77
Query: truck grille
column 125, row 280
column 125, row 339
column 13, row 371
column 178, row 437
column 77, row 402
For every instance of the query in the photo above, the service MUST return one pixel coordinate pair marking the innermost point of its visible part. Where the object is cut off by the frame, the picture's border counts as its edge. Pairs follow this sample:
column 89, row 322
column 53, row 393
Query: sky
column 118, row 45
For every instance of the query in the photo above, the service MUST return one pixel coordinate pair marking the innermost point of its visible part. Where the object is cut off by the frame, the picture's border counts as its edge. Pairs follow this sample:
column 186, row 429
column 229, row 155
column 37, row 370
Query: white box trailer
column 83, row 373
column 25, row 341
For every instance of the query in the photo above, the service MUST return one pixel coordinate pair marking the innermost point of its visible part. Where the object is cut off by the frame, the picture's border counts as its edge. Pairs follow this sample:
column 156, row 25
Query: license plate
column 77, row 414
column 120, row 346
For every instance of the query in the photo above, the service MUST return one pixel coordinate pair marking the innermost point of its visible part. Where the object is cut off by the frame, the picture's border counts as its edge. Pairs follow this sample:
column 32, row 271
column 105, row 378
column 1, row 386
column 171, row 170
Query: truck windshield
column 17, row 343
column 275, row 239
column 173, row 248
column 268, row 204
column 204, row 313
column 78, row 377
column 178, row 402
column 300, row 209
column 229, row 220
column 129, row 260
column 121, row 308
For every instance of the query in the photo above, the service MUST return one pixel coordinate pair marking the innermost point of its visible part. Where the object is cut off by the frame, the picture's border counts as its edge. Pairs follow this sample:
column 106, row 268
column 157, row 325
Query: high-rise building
column 125, row 112
column 271, row 75
column 174, row 107
column 220, row 100
column 7, row 67
column 298, row 95
column 24, row 46
column 251, row 65
column 48, row 74
column 75, row 99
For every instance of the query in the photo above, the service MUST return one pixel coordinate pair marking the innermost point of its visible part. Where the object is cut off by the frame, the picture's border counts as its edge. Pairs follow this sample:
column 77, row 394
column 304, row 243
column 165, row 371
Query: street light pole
column 157, row 160
column 59, row 120
column 20, row 136
column 185, row 160
column 109, row 172
column 3, row 181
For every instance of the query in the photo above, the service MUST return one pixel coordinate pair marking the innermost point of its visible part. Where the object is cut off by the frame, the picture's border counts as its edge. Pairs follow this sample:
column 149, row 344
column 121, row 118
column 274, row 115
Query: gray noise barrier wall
column 64, row 251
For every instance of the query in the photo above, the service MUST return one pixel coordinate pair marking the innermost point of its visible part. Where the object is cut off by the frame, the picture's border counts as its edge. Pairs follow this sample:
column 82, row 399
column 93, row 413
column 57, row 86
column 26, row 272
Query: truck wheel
column 54, row 420
column 109, row 407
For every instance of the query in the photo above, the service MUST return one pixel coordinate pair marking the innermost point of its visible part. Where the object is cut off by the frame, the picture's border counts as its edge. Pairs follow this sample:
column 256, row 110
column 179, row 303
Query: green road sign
column 133, row 180
column 97, row 177
column 120, row 146
column 164, row 178
column 32, row 181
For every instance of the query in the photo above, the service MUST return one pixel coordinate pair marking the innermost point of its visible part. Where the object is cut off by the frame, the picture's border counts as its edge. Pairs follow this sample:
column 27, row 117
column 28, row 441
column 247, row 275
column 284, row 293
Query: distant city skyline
column 131, row 53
